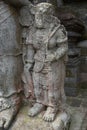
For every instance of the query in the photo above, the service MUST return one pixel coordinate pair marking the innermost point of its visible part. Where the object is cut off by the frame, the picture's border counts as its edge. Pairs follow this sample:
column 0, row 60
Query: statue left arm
column 61, row 44
column 61, row 51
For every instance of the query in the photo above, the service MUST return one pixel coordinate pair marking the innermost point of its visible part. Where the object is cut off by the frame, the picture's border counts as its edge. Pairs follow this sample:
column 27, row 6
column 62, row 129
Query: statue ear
column 32, row 8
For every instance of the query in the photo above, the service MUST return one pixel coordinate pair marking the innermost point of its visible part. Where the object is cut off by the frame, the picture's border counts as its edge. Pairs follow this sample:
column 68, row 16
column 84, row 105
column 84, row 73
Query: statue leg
column 38, row 106
column 54, row 93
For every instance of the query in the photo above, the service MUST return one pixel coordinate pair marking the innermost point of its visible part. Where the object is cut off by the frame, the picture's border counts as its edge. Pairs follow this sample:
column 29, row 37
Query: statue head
column 44, row 8
column 42, row 11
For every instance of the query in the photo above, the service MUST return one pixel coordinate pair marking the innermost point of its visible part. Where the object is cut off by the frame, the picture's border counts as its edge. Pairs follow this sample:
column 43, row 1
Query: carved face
column 42, row 11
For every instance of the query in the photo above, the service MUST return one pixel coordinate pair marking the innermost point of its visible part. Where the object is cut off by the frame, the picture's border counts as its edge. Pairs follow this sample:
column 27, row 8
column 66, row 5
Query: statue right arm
column 28, row 57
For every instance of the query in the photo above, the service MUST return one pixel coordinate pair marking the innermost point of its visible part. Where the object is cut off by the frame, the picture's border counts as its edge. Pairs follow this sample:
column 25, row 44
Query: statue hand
column 27, row 67
column 50, row 58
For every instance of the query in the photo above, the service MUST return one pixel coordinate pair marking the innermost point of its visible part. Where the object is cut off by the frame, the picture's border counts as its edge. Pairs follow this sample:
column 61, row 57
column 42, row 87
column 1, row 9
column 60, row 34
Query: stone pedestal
column 24, row 122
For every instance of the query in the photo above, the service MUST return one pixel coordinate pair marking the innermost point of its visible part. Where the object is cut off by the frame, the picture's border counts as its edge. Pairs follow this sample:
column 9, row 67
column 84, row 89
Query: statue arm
column 28, row 57
column 62, row 43
column 61, row 51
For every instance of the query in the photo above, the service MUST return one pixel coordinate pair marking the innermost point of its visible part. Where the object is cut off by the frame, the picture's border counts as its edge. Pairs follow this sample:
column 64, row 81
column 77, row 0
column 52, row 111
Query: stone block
column 72, row 77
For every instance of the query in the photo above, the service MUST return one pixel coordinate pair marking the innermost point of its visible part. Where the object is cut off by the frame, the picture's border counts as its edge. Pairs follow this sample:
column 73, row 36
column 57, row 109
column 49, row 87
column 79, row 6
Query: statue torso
column 41, row 37
column 41, row 41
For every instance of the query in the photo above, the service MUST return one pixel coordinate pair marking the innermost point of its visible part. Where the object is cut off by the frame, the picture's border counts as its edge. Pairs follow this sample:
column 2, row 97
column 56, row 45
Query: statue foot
column 50, row 114
column 6, row 118
column 36, row 109
column 7, row 115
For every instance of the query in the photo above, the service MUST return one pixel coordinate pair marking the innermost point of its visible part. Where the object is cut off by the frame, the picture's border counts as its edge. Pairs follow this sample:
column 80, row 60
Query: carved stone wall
column 11, row 67
column 73, row 16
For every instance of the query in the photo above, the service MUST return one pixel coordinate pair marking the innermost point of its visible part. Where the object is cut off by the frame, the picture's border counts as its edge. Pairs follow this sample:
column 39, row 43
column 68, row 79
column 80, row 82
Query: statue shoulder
column 61, row 34
column 59, row 30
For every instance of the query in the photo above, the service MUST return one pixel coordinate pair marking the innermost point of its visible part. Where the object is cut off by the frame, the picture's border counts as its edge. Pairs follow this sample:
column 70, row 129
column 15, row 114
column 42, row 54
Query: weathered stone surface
column 69, row 1
column 76, row 121
column 83, row 65
column 83, row 93
column 78, row 116
column 76, row 103
column 82, row 44
column 17, row 2
column 23, row 122
column 70, row 20
column 45, row 52
column 54, row 2
column 72, row 77
column 75, row 28
column 81, row 9
column 84, row 123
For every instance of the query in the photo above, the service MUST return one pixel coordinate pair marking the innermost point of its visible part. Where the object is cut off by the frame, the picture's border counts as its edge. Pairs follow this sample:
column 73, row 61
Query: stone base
column 24, row 122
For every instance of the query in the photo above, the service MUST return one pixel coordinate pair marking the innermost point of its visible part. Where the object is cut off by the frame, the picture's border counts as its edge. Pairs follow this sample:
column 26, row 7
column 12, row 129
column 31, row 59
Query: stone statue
column 44, row 57
column 10, row 61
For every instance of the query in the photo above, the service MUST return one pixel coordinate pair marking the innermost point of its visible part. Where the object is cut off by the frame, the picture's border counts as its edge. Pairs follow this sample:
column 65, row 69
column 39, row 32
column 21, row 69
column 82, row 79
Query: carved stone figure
column 44, row 56
column 10, row 63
